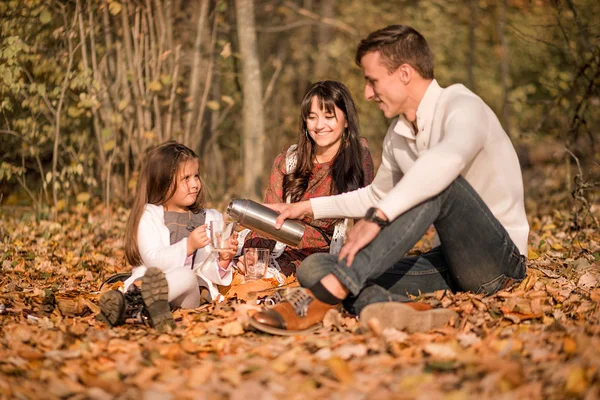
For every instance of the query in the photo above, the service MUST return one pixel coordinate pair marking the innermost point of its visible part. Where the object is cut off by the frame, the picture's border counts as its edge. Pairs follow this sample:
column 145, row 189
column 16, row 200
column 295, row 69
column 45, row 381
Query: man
column 447, row 162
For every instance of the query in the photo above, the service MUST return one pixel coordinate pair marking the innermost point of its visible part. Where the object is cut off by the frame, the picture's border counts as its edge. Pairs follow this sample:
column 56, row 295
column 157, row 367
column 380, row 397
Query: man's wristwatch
column 371, row 216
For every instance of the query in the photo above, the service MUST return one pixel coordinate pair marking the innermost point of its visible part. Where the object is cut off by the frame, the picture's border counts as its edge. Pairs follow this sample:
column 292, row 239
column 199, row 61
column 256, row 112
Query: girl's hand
column 232, row 246
column 241, row 266
column 198, row 239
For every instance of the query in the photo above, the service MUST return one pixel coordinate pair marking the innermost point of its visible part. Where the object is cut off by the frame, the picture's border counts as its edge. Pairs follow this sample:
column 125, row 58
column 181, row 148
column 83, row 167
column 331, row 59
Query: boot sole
column 403, row 317
column 282, row 332
column 155, row 293
column 112, row 308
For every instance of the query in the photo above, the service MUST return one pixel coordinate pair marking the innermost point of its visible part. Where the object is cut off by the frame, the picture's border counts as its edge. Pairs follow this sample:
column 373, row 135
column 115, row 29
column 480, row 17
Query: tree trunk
column 473, row 4
column 304, row 51
column 93, row 67
column 196, row 72
column 324, row 36
column 253, row 119
column 58, row 110
column 201, row 135
column 136, row 78
column 504, row 73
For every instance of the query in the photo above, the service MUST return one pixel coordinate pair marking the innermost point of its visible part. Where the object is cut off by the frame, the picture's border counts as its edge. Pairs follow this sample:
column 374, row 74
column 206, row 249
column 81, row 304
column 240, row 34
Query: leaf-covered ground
column 538, row 340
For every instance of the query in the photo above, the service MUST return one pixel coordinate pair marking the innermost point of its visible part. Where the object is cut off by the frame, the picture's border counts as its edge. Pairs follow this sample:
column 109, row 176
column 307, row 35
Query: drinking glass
column 220, row 233
column 256, row 261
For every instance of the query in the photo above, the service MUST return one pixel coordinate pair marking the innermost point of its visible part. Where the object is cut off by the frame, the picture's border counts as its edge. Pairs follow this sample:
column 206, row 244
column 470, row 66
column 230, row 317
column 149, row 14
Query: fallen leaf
column 393, row 335
column 17, row 332
column 71, row 304
column 172, row 351
column 413, row 382
column 439, row 350
column 569, row 345
column 595, row 295
column 233, row 328
column 332, row 318
column 146, row 375
column 64, row 387
column 375, row 327
column 581, row 264
column 340, row 370
column 467, row 339
column 532, row 254
column 350, row 350
column 96, row 393
column 588, row 280
column 576, row 381
column 232, row 376
column 199, row 375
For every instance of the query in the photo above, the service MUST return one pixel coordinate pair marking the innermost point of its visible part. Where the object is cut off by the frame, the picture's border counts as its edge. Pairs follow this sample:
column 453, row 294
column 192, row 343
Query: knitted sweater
column 458, row 135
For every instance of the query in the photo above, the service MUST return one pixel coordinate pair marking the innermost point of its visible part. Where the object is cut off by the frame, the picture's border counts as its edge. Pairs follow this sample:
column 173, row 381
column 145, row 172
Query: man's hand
column 359, row 236
column 298, row 210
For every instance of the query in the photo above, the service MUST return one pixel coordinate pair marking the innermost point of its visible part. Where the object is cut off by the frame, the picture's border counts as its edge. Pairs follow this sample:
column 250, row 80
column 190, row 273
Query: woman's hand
column 291, row 211
column 198, row 239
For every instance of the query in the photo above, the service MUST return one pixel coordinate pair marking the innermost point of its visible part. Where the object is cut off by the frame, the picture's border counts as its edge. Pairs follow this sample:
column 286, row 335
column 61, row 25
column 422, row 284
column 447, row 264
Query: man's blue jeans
column 476, row 254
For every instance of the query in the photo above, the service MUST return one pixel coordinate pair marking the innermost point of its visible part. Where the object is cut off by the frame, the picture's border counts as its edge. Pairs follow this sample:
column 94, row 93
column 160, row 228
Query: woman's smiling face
column 325, row 127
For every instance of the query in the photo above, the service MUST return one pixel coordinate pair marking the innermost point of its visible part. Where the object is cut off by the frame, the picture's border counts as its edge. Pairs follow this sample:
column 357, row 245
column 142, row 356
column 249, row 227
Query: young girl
column 329, row 158
column 168, row 242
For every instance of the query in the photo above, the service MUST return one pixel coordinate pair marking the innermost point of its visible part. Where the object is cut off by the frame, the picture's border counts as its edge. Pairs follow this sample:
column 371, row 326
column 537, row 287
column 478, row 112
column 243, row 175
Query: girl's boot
column 149, row 305
column 116, row 307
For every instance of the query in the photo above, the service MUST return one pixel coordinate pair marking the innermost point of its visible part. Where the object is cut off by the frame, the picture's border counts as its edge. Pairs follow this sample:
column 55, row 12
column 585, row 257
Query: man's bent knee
column 314, row 268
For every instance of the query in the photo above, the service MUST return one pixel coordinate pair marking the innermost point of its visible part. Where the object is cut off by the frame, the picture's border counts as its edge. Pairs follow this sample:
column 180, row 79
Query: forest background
column 87, row 86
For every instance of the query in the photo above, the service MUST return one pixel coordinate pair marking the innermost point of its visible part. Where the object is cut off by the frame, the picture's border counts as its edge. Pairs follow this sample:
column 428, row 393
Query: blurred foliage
column 78, row 109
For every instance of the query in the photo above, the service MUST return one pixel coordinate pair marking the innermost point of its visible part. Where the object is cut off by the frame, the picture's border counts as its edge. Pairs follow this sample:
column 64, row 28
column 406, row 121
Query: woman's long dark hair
column 156, row 184
column 347, row 172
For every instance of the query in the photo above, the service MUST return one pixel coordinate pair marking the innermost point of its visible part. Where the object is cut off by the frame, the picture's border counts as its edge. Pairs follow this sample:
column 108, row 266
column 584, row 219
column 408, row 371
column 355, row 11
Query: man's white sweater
column 458, row 135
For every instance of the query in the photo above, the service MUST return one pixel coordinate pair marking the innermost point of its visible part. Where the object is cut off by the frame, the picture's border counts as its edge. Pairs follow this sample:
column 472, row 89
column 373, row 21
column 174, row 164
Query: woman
column 329, row 158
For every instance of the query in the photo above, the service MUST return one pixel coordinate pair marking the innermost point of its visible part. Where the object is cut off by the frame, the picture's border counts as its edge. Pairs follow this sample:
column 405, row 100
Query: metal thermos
column 261, row 219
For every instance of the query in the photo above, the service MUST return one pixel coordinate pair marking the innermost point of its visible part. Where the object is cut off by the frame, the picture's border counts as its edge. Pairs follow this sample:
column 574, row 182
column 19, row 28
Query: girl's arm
column 153, row 243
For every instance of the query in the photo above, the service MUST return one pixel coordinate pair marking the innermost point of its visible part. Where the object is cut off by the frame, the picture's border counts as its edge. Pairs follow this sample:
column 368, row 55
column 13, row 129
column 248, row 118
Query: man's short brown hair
column 399, row 44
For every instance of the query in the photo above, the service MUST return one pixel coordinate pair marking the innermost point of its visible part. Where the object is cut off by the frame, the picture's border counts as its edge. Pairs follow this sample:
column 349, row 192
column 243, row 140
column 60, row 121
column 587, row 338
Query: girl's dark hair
column 347, row 172
column 398, row 44
column 156, row 185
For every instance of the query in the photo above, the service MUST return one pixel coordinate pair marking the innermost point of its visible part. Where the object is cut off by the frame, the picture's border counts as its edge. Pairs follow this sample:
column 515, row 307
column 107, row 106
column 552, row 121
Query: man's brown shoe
column 412, row 317
column 299, row 313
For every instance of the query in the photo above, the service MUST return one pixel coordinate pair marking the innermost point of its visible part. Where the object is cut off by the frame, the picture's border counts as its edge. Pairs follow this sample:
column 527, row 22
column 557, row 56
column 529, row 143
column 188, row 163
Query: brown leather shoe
column 299, row 313
column 412, row 317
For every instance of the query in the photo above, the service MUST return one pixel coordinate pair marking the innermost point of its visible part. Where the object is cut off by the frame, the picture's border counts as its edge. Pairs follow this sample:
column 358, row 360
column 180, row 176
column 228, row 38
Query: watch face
column 370, row 213
column 371, row 216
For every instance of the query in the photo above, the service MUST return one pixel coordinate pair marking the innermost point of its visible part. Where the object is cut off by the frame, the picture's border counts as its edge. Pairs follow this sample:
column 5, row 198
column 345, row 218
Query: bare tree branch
column 324, row 20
